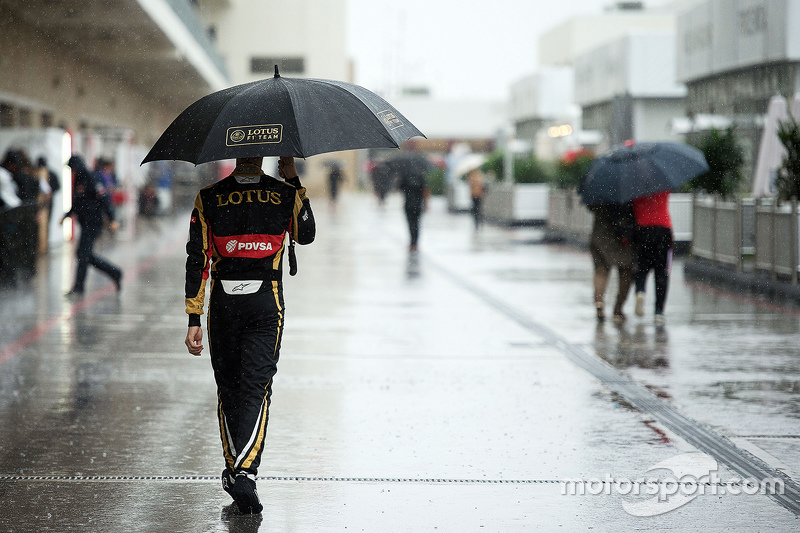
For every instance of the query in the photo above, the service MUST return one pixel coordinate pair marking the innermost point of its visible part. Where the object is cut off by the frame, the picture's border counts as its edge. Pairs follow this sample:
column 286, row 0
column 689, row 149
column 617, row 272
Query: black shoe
column 74, row 293
column 245, row 495
column 228, row 481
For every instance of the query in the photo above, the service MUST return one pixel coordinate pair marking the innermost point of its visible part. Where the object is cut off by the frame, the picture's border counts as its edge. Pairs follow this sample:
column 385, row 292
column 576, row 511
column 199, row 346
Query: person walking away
column 415, row 189
column 334, row 178
column 27, row 232
column 477, row 187
column 611, row 246
column 90, row 204
column 237, row 237
column 381, row 181
column 654, row 245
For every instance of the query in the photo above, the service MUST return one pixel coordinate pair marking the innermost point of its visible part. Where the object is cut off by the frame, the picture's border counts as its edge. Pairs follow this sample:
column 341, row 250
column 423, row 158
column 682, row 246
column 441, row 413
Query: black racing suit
column 237, row 236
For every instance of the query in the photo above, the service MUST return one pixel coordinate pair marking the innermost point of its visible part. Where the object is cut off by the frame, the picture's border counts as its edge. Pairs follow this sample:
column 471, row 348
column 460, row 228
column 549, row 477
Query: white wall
column 640, row 64
column 722, row 35
column 562, row 44
column 439, row 119
column 312, row 29
column 652, row 119
column 548, row 93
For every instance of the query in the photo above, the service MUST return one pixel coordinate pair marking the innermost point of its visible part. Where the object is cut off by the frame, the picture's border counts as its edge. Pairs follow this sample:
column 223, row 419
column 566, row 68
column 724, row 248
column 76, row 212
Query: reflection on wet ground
column 635, row 346
column 415, row 390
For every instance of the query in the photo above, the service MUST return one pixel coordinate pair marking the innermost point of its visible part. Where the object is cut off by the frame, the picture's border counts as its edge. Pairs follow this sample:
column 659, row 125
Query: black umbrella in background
column 282, row 117
column 409, row 163
column 641, row 169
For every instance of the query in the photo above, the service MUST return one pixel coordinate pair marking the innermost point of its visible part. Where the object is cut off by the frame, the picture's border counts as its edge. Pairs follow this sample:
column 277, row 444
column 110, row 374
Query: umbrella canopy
column 410, row 163
column 467, row 164
column 641, row 169
column 282, row 117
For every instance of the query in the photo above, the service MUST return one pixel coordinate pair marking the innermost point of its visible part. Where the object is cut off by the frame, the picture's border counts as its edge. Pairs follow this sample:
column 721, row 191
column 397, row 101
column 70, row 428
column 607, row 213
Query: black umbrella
column 409, row 163
column 282, row 117
column 641, row 169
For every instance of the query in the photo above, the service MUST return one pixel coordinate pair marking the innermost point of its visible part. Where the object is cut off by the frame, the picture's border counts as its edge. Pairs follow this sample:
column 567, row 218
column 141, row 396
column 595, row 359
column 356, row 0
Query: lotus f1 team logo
column 231, row 246
column 256, row 134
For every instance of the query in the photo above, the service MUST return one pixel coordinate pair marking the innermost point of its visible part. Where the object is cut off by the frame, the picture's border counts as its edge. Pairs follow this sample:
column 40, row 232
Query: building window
column 25, row 118
column 6, row 116
column 47, row 120
column 286, row 65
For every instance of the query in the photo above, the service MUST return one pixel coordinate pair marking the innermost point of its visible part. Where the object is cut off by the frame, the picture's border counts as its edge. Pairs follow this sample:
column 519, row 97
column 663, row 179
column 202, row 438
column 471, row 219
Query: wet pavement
column 454, row 390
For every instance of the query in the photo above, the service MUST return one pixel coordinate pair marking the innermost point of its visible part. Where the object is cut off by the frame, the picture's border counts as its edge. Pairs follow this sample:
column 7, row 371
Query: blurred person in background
column 381, row 181
column 27, row 230
column 106, row 175
column 44, row 172
column 148, row 204
column 611, row 246
column 653, row 249
column 8, row 202
column 477, row 188
column 335, row 177
column 90, row 204
column 415, row 189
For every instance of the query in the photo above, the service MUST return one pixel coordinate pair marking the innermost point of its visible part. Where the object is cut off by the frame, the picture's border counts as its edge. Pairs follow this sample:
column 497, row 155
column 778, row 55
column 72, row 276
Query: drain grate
column 311, row 479
column 403, row 480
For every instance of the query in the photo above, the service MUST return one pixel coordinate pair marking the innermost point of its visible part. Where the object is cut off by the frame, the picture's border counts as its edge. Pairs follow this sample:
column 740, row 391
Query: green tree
column 435, row 180
column 527, row 168
column 725, row 159
column 788, row 179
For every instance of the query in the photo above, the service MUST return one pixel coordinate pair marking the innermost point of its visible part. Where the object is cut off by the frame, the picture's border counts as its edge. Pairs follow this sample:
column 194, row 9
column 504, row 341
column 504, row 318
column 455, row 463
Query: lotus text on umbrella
column 261, row 134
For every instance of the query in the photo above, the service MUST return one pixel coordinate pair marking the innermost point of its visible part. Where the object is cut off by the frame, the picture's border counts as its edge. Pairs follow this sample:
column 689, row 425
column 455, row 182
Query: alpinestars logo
column 231, row 246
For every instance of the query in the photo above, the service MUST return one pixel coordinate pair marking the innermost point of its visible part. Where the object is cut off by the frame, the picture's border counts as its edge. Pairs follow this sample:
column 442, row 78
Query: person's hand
column 114, row 226
column 286, row 168
column 194, row 340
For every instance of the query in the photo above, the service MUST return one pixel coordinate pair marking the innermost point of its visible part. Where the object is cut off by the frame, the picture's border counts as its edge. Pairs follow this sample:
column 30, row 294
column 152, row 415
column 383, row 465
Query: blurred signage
column 722, row 35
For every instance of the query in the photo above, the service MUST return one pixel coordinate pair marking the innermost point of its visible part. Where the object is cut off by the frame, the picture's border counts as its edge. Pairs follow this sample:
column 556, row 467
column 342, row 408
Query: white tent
column 771, row 151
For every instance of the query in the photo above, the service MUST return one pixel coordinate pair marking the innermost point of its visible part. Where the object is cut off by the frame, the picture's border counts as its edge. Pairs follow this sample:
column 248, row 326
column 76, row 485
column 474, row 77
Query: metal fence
column 776, row 239
column 728, row 232
column 718, row 229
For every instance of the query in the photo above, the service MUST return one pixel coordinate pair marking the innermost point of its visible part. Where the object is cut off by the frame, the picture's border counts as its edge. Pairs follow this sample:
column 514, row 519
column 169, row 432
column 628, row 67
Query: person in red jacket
column 653, row 249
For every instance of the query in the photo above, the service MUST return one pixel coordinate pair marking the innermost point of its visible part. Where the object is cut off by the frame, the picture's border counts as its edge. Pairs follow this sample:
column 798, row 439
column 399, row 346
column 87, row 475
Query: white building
column 562, row 44
column 627, row 88
column 734, row 55
column 531, row 102
column 305, row 38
